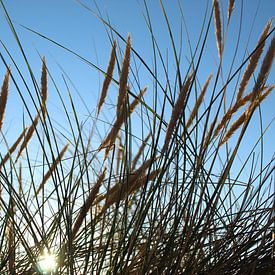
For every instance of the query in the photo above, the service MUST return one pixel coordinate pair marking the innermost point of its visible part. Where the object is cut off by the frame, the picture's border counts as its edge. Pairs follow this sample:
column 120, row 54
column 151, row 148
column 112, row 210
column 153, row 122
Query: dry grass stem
column 253, row 62
column 124, row 76
column 108, row 78
column 11, row 236
column 176, row 112
column 218, row 26
column 4, row 96
column 87, row 204
column 20, row 180
column 52, row 168
column 198, row 102
column 120, row 152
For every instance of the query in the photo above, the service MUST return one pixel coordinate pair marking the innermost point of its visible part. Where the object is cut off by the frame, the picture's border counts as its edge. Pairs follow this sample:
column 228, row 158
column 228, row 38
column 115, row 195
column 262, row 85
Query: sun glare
column 47, row 263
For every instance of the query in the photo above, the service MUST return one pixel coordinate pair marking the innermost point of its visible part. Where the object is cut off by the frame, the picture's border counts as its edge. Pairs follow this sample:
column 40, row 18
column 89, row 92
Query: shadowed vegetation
column 153, row 184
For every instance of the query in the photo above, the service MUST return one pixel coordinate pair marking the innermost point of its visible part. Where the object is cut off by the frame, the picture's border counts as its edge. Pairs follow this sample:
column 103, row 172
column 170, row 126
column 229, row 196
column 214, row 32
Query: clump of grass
column 170, row 197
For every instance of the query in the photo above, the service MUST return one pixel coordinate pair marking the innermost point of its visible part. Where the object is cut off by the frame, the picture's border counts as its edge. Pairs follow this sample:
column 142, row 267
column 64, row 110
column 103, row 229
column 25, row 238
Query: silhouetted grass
column 171, row 198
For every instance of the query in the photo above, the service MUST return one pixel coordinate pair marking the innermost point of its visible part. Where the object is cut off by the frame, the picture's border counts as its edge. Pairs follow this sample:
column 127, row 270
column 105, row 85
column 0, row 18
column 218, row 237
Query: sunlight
column 47, row 263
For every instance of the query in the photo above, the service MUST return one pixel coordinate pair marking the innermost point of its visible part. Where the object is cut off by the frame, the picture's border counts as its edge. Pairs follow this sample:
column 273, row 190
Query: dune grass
column 171, row 198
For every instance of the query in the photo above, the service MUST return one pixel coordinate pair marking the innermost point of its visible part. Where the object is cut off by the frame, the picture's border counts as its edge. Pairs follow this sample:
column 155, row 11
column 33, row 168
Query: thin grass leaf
column 44, row 88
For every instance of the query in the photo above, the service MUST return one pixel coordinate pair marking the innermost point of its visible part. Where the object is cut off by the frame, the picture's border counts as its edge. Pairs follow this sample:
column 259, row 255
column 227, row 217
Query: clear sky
column 70, row 24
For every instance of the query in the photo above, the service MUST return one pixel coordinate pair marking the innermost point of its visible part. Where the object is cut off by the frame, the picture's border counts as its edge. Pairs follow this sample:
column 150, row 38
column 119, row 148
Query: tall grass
column 163, row 190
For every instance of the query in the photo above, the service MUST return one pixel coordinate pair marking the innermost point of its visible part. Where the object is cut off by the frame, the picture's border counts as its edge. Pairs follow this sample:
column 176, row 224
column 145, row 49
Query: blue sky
column 68, row 23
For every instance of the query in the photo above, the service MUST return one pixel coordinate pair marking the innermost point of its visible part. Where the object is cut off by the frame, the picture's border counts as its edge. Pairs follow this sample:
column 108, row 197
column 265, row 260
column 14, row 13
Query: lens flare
column 47, row 263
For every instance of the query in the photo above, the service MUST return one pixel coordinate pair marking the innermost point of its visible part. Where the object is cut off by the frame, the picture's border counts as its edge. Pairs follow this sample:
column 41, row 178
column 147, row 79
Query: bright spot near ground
column 47, row 263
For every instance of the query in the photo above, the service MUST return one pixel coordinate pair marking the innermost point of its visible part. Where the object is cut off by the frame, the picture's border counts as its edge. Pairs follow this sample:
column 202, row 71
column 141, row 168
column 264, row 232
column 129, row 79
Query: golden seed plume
column 206, row 141
column 109, row 140
column 124, row 76
column 4, row 96
column 108, row 77
column 136, row 101
column 140, row 151
column 231, row 111
column 111, row 136
column 13, row 148
column 28, row 136
column 198, row 102
column 262, row 96
column 87, row 204
column 44, row 88
column 265, row 68
column 230, row 9
column 52, row 168
column 139, row 183
column 253, row 61
column 234, row 127
column 176, row 112
column 120, row 187
column 218, row 26
column 133, row 183
column 246, row 114
column 145, row 165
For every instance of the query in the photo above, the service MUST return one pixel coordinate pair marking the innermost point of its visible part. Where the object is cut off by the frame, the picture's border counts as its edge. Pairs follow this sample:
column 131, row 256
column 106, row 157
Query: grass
column 163, row 190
